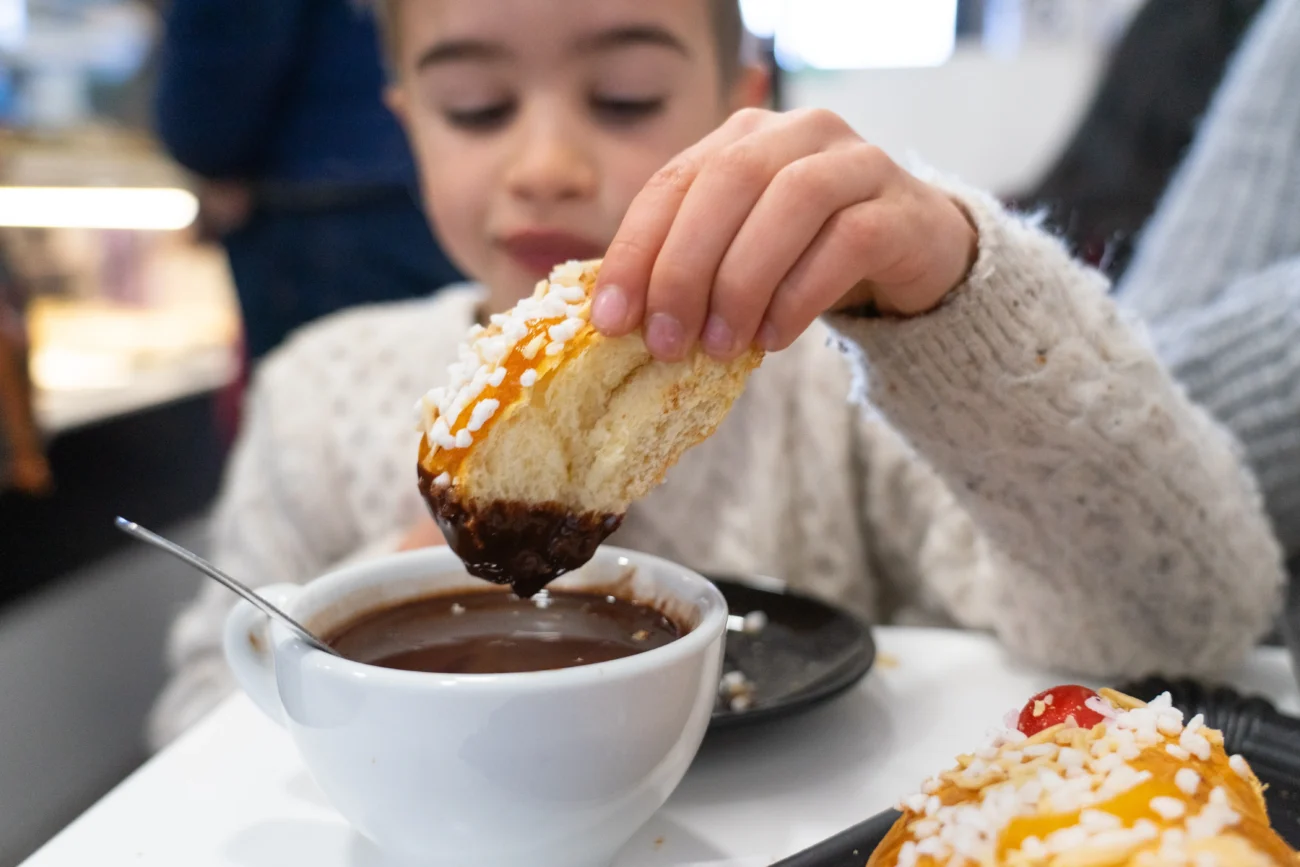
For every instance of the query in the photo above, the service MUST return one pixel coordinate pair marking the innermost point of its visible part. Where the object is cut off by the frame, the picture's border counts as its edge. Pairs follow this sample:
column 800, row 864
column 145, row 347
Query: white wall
column 995, row 122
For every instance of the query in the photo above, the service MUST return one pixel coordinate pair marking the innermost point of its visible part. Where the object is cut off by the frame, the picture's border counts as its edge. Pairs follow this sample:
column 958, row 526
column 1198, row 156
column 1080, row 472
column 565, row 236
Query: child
column 1028, row 467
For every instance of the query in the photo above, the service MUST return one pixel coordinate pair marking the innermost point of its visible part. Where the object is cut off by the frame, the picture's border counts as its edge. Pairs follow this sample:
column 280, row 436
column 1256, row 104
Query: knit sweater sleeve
column 1067, row 494
column 1239, row 357
column 1216, row 274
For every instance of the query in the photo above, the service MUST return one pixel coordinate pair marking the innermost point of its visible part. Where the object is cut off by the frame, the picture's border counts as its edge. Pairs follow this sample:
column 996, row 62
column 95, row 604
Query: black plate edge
column 833, row 685
column 838, row 681
column 847, row 847
column 1248, row 722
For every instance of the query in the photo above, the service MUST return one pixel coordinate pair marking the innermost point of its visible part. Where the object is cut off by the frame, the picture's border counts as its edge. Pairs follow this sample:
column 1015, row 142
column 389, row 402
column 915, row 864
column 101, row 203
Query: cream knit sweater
column 1027, row 467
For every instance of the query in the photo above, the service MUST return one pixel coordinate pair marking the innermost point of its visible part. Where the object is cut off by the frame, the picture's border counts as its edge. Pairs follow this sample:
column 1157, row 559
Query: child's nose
column 551, row 164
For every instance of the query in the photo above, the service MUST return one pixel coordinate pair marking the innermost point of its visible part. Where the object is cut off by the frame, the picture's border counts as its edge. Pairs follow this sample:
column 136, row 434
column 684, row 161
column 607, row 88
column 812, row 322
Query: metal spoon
column 133, row 529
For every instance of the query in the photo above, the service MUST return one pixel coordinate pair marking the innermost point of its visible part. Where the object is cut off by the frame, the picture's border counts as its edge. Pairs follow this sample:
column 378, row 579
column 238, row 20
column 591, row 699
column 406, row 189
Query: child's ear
column 396, row 100
column 752, row 88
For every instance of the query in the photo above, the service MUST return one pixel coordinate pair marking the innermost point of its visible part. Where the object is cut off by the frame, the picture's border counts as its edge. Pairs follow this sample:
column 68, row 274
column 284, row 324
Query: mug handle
column 246, row 642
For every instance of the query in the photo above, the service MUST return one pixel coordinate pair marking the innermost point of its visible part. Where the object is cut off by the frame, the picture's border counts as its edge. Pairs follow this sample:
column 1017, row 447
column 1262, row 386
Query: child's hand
column 767, row 223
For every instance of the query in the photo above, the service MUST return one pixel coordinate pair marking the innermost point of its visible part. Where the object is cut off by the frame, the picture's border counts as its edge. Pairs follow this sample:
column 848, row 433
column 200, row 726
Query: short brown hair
column 728, row 33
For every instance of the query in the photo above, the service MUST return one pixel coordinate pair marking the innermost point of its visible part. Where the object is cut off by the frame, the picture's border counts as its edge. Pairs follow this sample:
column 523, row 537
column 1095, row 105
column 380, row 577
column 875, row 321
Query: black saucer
column 805, row 653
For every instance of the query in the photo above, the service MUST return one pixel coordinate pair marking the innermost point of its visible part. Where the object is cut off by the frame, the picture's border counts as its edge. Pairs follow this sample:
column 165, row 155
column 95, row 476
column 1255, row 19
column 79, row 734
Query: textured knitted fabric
column 1217, row 272
column 1027, row 467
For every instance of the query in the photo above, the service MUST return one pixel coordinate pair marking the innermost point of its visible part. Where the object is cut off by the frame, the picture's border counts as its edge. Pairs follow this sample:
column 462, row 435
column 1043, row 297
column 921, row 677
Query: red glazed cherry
column 1053, row 706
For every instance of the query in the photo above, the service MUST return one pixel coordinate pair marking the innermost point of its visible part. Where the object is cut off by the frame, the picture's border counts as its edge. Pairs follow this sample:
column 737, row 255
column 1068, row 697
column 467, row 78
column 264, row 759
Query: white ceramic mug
column 549, row 769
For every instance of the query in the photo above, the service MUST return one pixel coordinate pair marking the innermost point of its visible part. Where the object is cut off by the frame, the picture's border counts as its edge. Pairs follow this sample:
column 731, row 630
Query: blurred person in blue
column 307, row 178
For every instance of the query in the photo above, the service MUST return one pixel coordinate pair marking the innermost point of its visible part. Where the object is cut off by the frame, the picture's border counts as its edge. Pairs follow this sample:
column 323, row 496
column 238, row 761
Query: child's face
column 534, row 124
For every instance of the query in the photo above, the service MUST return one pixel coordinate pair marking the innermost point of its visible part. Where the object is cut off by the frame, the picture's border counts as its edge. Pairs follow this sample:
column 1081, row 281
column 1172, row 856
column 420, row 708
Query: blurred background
column 122, row 340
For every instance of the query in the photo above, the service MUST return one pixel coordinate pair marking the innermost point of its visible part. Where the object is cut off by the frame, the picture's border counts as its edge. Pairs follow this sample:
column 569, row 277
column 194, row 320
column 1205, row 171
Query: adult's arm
column 222, row 75
column 1216, row 275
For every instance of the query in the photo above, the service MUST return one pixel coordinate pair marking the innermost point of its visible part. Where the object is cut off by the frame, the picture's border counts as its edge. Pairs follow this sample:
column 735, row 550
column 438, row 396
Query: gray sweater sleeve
column 1216, row 275
column 1239, row 357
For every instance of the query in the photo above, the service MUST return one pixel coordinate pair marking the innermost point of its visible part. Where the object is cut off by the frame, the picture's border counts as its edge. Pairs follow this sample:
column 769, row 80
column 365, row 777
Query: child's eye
column 481, row 119
column 617, row 110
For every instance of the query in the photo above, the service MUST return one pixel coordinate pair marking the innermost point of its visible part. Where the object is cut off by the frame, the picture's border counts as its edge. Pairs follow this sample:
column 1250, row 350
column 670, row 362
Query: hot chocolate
column 495, row 632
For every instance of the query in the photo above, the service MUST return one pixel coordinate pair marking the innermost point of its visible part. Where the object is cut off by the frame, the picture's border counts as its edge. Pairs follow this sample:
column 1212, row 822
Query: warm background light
column 97, row 208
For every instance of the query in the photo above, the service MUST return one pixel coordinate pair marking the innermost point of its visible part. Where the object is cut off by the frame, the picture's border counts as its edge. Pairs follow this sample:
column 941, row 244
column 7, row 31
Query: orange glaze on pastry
column 515, row 352
column 1140, row 788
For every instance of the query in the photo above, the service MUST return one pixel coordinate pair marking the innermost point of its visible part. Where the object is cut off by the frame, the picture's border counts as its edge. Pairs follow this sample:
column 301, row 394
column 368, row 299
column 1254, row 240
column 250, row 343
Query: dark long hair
column 1160, row 79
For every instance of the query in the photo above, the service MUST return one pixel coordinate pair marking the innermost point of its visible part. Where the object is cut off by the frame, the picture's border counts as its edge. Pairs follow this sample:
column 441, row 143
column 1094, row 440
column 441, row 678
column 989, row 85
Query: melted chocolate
column 524, row 545
column 494, row 632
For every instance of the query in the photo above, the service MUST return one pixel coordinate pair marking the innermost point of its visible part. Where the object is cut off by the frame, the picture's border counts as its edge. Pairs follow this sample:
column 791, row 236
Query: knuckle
column 821, row 119
column 669, row 286
column 806, row 180
column 748, row 119
column 874, row 159
column 742, row 162
column 625, row 249
column 675, row 177
column 855, row 225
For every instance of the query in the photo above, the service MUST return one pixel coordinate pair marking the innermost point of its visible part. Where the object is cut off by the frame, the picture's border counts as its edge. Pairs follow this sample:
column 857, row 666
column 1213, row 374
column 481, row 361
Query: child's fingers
column 619, row 305
column 850, row 247
column 787, row 218
column 730, row 183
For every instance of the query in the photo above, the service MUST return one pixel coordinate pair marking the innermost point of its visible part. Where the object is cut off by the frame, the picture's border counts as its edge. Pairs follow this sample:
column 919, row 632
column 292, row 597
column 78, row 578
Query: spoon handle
column 133, row 529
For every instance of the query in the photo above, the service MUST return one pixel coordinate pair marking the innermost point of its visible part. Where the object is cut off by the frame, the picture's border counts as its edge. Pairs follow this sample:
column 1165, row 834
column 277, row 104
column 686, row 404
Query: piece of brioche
column 548, row 430
column 1133, row 786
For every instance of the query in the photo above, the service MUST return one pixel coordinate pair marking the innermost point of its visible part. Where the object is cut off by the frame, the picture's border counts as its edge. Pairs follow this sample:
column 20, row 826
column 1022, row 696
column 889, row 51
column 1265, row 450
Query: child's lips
column 537, row 251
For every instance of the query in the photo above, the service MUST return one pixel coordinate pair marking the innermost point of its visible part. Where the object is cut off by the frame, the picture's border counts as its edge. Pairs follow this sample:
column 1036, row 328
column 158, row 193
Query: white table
column 232, row 793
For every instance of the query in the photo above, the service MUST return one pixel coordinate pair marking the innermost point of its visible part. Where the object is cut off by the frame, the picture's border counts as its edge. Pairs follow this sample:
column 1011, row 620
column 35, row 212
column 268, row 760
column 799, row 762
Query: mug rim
column 712, row 623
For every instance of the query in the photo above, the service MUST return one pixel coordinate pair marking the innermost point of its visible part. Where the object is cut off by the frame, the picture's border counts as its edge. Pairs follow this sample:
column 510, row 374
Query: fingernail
column 718, row 338
column 767, row 337
column 609, row 309
column 664, row 336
